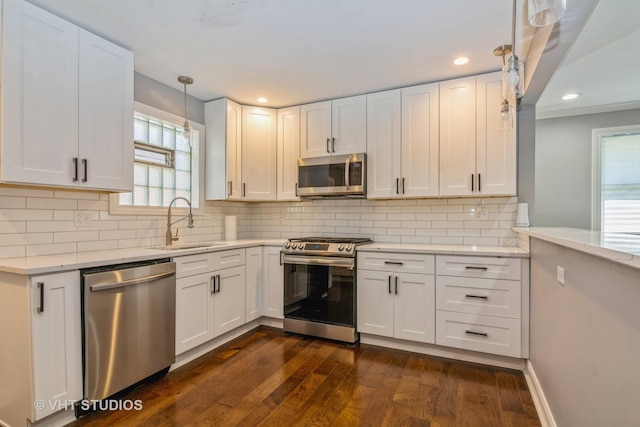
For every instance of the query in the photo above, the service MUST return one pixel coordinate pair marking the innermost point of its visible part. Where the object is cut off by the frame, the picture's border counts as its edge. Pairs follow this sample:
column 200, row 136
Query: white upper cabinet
column 288, row 153
column 476, row 156
column 334, row 127
column 496, row 154
column 259, row 153
column 240, row 151
column 384, row 151
column 223, row 122
column 67, row 104
column 402, row 145
column 420, row 140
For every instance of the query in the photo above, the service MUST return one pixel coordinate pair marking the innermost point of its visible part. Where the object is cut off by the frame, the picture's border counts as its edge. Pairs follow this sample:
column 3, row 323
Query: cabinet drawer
column 479, row 296
column 190, row 265
column 228, row 259
column 482, row 267
column 396, row 262
column 488, row 334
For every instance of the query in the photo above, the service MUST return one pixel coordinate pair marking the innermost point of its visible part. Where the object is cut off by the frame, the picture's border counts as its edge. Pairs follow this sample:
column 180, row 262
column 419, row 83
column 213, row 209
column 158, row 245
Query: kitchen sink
column 185, row 246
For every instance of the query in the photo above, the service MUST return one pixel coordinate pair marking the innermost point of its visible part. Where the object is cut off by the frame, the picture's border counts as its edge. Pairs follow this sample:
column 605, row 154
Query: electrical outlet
column 83, row 219
column 560, row 275
column 481, row 212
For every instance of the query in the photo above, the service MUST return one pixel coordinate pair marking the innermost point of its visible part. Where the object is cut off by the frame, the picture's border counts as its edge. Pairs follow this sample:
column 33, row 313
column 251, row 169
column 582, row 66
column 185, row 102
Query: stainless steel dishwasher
column 128, row 315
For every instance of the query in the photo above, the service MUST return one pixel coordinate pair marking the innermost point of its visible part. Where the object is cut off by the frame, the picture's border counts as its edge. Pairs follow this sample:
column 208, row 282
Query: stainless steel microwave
column 331, row 176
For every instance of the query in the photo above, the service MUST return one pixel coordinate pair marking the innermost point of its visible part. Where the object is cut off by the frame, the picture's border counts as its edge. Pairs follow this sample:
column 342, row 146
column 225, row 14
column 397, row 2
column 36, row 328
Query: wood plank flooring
column 267, row 378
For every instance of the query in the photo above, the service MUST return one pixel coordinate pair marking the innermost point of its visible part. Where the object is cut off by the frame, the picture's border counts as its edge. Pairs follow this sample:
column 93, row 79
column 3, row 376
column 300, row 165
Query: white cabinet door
column 223, row 121
column 495, row 147
column 383, row 144
column 194, row 311
column 349, row 125
column 273, row 280
column 39, row 96
column 288, row 153
column 414, row 307
column 420, row 141
column 259, row 153
column 458, row 137
column 229, row 300
column 57, row 345
column 315, row 130
column 105, row 114
column 253, row 273
column 375, row 303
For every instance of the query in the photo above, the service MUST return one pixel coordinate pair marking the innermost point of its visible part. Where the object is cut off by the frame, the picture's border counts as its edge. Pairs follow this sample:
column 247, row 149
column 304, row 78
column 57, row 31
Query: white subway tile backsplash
column 42, row 222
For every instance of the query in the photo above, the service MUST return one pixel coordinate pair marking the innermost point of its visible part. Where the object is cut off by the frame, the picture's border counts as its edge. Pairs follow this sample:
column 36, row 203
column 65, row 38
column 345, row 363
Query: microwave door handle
column 346, row 171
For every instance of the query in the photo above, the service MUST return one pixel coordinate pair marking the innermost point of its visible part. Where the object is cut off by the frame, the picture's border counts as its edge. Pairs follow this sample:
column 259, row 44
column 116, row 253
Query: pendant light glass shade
column 545, row 12
column 513, row 78
column 186, row 133
column 506, row 115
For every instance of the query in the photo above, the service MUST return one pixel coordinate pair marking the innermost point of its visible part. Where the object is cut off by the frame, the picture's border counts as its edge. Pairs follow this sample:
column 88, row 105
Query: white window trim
column 596, row 164
column 197, row 170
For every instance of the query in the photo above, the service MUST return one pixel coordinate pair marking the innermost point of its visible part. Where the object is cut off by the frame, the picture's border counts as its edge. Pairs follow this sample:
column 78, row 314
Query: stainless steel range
column 320, row 287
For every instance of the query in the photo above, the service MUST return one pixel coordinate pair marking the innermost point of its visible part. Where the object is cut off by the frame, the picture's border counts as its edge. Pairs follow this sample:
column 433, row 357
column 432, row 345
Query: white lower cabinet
column 211, row 303
column 56, row 341
column 394, row 303
column 254, row 282
column 273, row 277
column 477, row 303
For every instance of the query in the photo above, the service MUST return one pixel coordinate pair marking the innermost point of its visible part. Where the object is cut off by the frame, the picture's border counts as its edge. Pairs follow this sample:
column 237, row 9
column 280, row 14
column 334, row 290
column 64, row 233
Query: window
column 616, row 184
column 166, row 164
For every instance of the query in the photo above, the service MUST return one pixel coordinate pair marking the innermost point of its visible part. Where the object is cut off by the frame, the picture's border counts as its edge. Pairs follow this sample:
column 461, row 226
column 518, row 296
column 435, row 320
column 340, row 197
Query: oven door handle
column 313, row 260
column 346, row 172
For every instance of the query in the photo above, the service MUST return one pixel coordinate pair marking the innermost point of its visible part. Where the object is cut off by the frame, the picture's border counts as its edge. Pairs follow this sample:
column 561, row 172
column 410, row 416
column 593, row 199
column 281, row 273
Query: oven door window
column 320, row 293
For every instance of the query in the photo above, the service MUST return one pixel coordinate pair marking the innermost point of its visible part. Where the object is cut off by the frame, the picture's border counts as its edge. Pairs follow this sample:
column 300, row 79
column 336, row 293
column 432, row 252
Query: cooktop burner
column 324, row 246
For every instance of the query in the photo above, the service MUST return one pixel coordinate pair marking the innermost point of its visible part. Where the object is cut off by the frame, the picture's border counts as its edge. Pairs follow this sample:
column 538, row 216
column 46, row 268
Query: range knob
column 294, row 246
column 287, row 245
column 348, row 247
column 340, row 247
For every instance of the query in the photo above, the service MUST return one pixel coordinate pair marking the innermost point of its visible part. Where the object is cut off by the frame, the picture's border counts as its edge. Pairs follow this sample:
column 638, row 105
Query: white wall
column 585, row 336
column 563, row 167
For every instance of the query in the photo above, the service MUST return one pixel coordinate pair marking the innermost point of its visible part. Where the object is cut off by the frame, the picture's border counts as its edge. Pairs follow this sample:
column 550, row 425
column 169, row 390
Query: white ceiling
column 299, row 51
column 603, row 64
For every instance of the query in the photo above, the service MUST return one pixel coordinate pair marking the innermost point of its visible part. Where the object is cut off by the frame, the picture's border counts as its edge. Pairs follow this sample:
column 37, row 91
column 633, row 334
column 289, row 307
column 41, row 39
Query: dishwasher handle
column 131, row 282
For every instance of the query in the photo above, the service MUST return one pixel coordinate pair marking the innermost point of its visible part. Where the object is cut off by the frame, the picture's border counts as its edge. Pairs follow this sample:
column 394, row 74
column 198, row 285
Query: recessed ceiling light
column 262, row 100
column 570, row 96
column 461, row 60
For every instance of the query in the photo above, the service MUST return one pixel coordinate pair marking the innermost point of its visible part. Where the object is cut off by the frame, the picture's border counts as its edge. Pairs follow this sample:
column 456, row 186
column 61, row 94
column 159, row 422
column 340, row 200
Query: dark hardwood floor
column 268, row 378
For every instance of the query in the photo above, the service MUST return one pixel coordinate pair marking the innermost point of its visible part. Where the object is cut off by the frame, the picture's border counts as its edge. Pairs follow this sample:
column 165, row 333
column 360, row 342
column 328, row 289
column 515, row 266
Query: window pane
column 140, row 130
column 169, row 178
column 183, row 161
column 155, row 196
column 167, row 195
column 183, row 180
column 126, row 198
column 184, row 144
column 140, row 174
column 149, row 156
column 155, row 134
column 140, row 196
column 155, row 176
column 169, row 137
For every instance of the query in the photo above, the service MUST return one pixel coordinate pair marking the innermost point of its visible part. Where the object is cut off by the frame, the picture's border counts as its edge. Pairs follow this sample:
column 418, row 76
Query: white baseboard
column 448, row 352
column 539, row 399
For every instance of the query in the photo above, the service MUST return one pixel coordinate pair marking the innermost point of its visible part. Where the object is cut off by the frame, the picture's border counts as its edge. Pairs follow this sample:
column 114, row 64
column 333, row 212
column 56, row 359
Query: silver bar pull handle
column 229, row 188
column 476, row 296
column 482, row 334
column 212, row 285
column 397, row 185
column 333, row 145
column 394, row 263
column 40, row 308
column 296, row 189
column 132, row 282
column 244, row 189
column 396, row 285
column 479, row 184
column 472, row 181
column 347, row 165
column 402, row 185
column 84, row 163
column 218, row 279
column 328, row 140
column 472, row 267
column 389, row 284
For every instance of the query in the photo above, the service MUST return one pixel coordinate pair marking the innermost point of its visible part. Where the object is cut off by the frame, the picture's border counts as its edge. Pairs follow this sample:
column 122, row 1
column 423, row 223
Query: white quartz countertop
column 64, row 262
column 445, row 249
column 619, row 247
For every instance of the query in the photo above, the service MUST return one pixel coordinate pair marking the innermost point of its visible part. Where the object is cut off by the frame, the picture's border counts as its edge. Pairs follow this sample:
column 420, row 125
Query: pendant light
column 513, row 70
column 545, row 12
column 186, row 80
column 506, row 109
